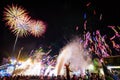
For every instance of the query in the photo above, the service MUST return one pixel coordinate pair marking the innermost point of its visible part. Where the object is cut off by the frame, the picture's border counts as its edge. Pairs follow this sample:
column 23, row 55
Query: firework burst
column 17, row 18
column 37, row 28
column 22, row 26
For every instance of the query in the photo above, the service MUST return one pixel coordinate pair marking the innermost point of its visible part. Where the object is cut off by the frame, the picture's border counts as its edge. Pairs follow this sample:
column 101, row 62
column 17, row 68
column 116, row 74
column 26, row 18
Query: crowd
column 108, row 75
column 87, row 76
column 58, row 77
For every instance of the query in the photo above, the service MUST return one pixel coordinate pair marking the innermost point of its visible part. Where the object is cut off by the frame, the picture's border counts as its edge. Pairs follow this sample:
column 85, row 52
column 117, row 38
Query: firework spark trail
column 118, row 27
column 116, row 32
column 97, row 44
column 88, row 4
column 100, row 17
column 116, row 35
column 85, row 24
column 100, row 47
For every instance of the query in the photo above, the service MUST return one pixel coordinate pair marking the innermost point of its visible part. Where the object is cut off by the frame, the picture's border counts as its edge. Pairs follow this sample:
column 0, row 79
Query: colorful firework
column 21, row 27
column 16, row 17
column 37, row 28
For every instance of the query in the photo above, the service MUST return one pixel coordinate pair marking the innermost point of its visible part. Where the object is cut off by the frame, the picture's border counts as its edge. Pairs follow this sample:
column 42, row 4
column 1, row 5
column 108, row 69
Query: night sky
column 61, row 18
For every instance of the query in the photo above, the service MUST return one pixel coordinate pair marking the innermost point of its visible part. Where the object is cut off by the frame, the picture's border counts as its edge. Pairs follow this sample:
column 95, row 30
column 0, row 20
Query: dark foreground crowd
column 59, row 77
column 92, row 76
column 114, row 75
